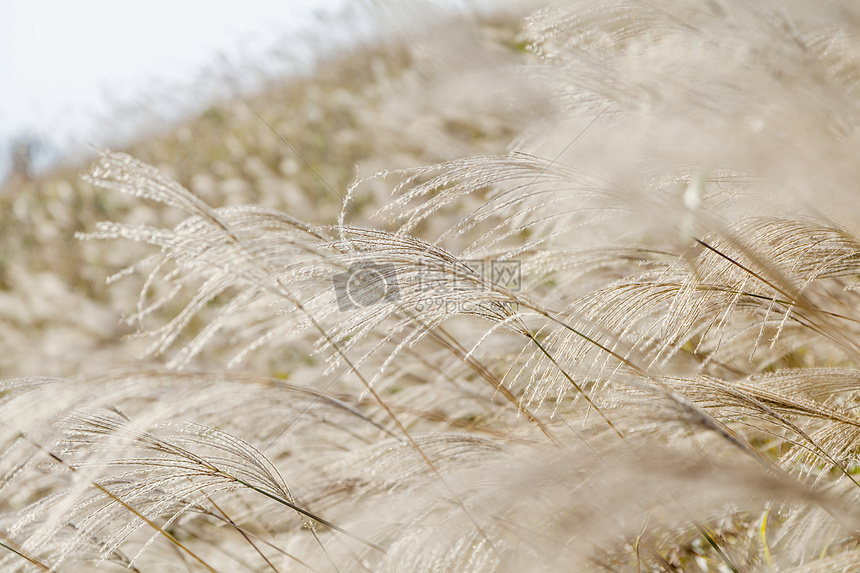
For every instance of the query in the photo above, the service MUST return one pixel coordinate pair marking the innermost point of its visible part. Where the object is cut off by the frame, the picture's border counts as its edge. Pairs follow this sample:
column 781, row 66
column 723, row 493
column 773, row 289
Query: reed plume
column 629, row 343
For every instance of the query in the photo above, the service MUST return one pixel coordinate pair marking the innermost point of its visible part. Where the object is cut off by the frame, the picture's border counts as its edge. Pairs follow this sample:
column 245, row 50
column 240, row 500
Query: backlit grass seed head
column 628, row 344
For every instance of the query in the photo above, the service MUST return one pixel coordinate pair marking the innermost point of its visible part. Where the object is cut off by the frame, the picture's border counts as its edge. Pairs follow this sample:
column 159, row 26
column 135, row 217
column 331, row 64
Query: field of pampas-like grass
column 628, row 344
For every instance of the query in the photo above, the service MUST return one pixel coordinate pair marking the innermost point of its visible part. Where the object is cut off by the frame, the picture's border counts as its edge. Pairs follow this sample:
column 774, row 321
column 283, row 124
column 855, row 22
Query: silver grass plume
column 673, row 385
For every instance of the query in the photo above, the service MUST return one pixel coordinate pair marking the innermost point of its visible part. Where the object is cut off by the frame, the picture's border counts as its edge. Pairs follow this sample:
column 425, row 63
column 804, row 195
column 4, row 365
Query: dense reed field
column 610, row 324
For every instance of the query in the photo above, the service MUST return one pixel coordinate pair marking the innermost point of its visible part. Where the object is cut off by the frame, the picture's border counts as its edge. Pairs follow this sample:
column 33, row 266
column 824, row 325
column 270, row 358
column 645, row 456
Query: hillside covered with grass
column 296, row 147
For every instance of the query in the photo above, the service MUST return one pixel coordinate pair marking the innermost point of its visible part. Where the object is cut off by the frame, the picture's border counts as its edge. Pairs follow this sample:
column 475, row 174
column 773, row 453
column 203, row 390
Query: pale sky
column 66, row 65
column 75, row 73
